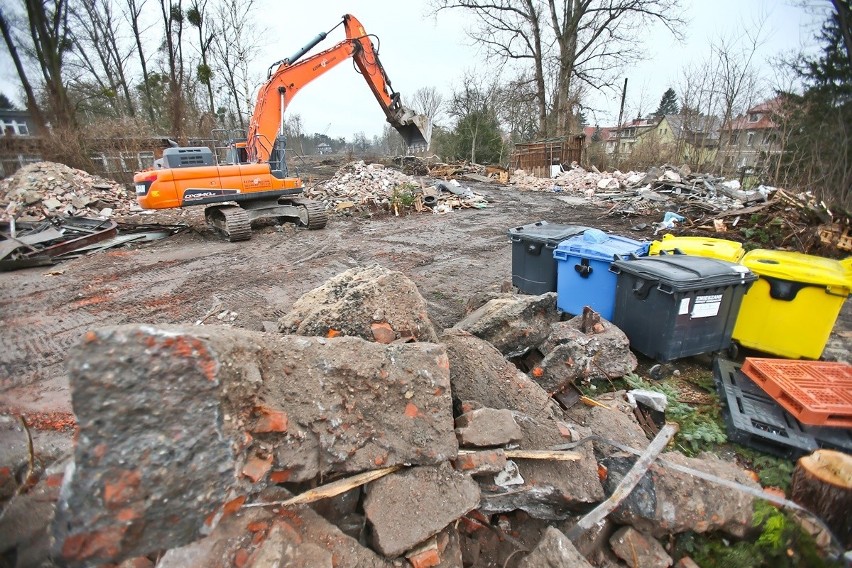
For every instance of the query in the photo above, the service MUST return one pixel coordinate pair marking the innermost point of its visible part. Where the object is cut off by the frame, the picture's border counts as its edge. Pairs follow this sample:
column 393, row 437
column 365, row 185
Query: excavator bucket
column 416, row 131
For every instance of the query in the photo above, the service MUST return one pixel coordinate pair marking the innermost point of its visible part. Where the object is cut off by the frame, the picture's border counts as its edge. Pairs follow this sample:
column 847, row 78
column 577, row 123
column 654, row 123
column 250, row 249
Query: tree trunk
column 822, row 483
column 146, row 85
column 32, row 104
column 51, row 39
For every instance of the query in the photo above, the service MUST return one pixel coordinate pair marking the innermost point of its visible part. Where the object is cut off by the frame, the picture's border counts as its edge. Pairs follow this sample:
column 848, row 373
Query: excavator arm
column 265, row 136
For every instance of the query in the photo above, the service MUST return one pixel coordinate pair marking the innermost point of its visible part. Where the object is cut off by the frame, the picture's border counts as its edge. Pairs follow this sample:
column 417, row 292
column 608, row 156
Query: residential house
column 17, row 123
column 323, row 148
column 603, row 135
column 684, row 138
column 19, row 141
column 752, row 141
column 626, row 137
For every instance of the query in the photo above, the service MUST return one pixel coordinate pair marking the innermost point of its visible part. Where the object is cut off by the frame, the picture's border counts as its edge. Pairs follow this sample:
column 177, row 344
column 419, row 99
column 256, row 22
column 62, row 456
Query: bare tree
column 198, row 19
column 737, row 77
column 172, row 14
column 565, row 41
column 428, row 101
column 50, row 35
column 12, row 46
column 133, row 15
column 98, row 52
column 234, row 49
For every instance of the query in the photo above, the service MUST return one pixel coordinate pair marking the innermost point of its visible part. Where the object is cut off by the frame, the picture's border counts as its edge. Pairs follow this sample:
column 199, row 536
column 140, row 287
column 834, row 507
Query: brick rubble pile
column 48, row 189
column 357, row 185
column 575, row 179
column 360, row 183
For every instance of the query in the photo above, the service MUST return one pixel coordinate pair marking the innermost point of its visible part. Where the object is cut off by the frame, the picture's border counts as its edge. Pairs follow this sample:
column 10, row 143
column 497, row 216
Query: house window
column 734, row 138
column 750, row 140
column 753, row 117
column 14, row 128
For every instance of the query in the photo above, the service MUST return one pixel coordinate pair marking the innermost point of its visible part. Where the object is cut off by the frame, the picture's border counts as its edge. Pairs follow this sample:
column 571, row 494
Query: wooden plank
column 627, row 484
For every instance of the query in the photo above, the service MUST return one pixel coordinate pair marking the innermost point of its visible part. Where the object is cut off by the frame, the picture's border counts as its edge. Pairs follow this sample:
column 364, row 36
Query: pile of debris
column 430, row 166
column 442, row 451
column 48, row 189
column 358, row 186
column 665, row 188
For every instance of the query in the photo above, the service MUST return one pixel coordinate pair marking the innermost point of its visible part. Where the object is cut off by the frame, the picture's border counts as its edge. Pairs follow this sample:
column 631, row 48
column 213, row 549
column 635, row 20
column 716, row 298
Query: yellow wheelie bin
column 722, row 249
column 791, row 309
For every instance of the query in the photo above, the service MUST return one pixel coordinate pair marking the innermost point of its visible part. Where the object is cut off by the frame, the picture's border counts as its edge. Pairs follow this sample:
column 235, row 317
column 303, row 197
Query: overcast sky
column 420, row 50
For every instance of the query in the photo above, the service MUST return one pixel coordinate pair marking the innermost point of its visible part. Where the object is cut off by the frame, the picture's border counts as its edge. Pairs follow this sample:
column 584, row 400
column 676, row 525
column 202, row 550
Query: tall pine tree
column 818, row 153
column 668, row 104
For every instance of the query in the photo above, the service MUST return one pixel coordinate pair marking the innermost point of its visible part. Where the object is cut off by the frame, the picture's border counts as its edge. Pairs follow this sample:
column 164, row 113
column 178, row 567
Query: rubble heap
column 361, row 186
column 664, row 188
column 438, row 452
column 48, row 189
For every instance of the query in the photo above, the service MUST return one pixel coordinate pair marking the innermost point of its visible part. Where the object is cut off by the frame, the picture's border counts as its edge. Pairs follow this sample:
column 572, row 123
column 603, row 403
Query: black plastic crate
column 533, row 265
column 754, row 419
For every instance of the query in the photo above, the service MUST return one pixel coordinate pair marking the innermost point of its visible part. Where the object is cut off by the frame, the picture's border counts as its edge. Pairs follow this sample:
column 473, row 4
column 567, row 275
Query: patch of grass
column 778, row 542
column 772, row 471
column 404, row 196
column 700, row 428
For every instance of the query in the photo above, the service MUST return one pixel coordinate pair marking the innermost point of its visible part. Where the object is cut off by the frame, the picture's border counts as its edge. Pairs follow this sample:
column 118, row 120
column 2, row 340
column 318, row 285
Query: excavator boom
column 253, row 182
column 294, row 73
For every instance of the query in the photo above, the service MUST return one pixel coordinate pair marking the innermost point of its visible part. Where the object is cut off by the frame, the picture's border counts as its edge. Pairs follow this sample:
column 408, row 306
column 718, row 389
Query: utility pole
column 618, row 126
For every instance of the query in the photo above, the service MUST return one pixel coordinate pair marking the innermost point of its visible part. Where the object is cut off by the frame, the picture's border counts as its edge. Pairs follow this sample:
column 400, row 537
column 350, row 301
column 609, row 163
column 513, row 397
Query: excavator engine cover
column 187, row 157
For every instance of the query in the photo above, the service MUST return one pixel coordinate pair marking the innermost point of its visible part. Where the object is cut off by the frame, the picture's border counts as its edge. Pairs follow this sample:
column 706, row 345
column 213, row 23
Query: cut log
column 822, row 483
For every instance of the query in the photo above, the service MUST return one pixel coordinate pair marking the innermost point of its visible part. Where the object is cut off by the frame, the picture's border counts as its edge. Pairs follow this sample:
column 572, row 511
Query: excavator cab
column 237, row 153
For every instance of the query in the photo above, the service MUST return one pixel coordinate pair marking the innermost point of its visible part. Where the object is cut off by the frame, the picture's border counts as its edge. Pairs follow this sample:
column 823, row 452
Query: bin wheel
column 733, row 351
column 658, row 372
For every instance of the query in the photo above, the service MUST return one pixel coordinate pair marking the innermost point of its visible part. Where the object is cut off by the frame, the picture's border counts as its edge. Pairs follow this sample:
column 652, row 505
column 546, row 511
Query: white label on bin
column 684, row 307
column 707, row 306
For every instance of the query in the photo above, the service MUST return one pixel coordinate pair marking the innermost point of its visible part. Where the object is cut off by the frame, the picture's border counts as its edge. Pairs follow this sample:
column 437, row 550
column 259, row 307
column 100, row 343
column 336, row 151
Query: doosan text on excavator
column 253, row 180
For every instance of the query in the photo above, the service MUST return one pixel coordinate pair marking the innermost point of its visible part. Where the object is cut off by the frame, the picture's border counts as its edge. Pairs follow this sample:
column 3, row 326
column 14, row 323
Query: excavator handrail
column 294, row 73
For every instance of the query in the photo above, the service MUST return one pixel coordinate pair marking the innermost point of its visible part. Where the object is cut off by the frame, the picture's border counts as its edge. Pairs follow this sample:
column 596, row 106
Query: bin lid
column 799, row 267
column 594, row 244
column 700, row 246
column 686, row 272
column 553, row 233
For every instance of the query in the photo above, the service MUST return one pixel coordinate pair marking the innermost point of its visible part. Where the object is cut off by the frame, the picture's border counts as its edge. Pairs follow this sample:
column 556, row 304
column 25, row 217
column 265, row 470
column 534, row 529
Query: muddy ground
column 198, row 276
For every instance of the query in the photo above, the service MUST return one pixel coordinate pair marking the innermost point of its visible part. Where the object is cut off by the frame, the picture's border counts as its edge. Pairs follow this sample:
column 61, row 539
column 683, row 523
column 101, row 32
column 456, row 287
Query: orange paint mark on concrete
column 411, row 410
column 97, row 544
column 122, row 487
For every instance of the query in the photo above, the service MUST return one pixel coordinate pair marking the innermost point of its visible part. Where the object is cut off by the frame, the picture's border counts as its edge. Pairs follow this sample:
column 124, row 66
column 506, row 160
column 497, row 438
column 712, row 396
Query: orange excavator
column 253, row 181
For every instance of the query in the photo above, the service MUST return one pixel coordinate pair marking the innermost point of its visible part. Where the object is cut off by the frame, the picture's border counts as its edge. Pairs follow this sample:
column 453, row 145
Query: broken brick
column 383, row 332
column 257, row 468
column 480, row 463
column 270, row 420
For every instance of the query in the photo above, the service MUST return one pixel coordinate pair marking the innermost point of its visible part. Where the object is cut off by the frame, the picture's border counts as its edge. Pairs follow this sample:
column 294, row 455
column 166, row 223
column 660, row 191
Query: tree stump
column 822, row 483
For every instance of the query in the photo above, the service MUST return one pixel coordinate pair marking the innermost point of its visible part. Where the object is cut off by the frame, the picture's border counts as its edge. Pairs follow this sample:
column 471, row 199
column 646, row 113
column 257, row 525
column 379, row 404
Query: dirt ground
column 198, row 276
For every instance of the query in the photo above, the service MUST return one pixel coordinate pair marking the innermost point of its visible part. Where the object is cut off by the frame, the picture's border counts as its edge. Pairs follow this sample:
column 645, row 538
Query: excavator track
column 230, row 220
column 313, row 215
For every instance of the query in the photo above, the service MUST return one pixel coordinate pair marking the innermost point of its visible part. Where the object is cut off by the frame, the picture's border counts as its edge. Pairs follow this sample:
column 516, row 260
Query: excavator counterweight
column 256, row 177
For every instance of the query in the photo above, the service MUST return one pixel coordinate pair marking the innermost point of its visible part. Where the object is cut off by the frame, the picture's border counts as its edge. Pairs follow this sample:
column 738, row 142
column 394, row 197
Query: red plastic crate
column 818, row 393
